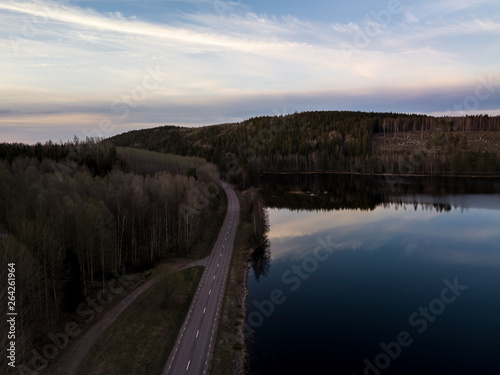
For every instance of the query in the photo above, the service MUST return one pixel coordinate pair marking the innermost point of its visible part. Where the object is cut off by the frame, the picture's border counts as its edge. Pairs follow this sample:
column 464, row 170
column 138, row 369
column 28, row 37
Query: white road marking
column 229, row 235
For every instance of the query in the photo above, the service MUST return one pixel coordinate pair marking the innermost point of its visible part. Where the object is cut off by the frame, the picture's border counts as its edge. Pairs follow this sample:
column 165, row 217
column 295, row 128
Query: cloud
column 266, row 39
column 81, row 117
column 90, row 20
column 227, row 65
column 470, row 27
column 451, row 6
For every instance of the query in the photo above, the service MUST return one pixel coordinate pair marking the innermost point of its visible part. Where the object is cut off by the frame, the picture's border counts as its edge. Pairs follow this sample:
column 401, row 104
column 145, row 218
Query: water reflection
column 320, row 192
column 431, row 233
column 260, row 260
column 390, row 250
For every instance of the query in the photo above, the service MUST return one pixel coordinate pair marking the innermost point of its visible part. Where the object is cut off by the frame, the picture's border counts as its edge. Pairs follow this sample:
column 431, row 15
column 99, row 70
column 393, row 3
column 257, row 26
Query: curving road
column 195, row 344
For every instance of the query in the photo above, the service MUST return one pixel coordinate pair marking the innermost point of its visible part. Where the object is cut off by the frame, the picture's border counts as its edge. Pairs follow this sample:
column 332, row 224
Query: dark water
column 371, row 278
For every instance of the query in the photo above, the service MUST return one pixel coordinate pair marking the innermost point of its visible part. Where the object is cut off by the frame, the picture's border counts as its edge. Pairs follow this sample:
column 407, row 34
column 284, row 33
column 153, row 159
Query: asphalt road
column 195, row 344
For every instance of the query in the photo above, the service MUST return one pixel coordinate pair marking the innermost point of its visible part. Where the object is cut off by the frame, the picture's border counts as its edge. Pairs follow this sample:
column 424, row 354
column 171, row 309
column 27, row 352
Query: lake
column 375, row 276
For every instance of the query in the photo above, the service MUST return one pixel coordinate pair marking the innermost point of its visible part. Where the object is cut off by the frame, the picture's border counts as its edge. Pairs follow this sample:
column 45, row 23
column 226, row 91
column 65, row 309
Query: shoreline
column 488, row 176
column 241, row 356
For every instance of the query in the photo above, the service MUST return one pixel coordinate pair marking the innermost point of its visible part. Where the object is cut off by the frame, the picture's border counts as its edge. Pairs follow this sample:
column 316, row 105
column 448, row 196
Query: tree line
column 327, row 192
column 339, row 141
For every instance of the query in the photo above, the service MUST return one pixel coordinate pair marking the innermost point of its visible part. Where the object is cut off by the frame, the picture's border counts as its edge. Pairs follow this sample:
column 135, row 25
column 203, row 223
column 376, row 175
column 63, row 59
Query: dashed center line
column 219, row 246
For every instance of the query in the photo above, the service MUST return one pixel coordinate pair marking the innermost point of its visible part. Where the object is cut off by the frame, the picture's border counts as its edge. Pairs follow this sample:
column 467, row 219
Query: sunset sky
column 105, row 67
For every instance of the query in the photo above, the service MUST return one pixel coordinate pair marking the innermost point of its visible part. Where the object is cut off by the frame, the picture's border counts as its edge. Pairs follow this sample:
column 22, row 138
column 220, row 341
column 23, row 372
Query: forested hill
column 336, row 141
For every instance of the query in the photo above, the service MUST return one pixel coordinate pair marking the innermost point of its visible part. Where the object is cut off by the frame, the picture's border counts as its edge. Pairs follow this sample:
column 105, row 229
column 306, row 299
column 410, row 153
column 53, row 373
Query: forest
column 75, row 215
column 336, row 141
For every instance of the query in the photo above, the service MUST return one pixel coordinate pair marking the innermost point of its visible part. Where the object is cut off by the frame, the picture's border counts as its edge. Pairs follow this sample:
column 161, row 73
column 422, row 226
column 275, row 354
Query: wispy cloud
column 454, row 28
column 450, row 6
column 61, row 57
column 90, row 20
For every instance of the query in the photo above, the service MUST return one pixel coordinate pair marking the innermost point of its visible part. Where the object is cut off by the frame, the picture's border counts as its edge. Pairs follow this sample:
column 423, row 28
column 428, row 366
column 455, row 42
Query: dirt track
column 70, row 362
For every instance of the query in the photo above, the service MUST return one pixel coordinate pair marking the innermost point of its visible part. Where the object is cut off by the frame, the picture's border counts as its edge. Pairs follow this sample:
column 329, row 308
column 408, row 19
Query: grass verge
column 141, row 339
column 230, row 350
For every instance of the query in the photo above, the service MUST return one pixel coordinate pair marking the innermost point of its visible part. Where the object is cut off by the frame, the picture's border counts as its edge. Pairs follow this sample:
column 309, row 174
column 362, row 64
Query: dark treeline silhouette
column 333, row 141
column 98, row 156
column 70, row 226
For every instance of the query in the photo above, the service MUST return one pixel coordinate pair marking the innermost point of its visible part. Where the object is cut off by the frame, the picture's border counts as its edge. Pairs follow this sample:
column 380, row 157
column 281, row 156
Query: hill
column 335, row 141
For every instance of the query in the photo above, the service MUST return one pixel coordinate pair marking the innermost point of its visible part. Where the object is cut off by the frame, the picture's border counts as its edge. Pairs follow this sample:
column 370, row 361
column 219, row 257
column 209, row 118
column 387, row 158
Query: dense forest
column 335, row 141
column 74, row 215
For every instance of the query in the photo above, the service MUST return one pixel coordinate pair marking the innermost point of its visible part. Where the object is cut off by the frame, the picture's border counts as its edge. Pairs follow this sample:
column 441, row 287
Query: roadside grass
column 230, row 351
column 140, row 341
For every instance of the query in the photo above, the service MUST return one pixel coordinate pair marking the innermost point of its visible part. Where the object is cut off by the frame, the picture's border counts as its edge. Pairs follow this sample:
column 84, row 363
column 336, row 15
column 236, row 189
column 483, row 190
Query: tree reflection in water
column 261, row 259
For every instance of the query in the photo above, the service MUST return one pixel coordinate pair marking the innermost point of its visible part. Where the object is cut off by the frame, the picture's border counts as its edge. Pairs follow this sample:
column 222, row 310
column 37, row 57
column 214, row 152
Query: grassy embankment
column 141, row 339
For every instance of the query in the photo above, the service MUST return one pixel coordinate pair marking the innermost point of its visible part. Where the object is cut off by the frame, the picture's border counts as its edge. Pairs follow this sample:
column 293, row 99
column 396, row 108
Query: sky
column 103, row 67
